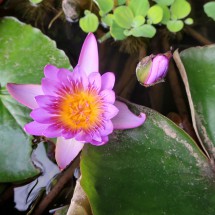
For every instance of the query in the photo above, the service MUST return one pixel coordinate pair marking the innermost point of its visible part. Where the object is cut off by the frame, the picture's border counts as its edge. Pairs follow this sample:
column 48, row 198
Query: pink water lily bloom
column 76, row 107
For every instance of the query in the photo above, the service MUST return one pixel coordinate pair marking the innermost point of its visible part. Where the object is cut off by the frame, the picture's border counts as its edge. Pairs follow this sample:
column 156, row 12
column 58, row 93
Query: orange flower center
column 81, row 110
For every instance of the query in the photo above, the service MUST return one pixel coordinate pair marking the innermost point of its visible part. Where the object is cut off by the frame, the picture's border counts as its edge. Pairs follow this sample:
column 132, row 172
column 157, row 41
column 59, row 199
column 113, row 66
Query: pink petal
column 52, row 131
column 108, row 96
column 35, row 128
column 25, row 93
column 95, row 80
column 102, row 142
column 41, row 115
column 125, row 119
column 66, row 151
column 97, row 137
column 67, row 134
column 79, row 76
column 49, row 87
column 82, row 136
column 108, row 128
column 44, row 100
column 110, row 111
column 63, row 76
column 108, row 81
column 88, row 59
column 50, row 72
column 161, row 63
column 152, row 77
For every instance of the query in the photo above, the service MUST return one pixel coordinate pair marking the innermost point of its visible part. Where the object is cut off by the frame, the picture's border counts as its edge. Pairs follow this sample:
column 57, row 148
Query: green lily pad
column 188, row 21
column 138, row 21
column 120, row 2
column 209, row 9
column 116, row 31
column 139, row 7
column 174, row 25
column 105, row 6
column 35, row 1
column 123, row 16
column 180, row 9
column 24, row 51
column 146, row 30
column 154, row 169
column 164, row 2
column 155, row 14
column 166, row 14
column 197, row 67
column 89, row 23
column 107, row 19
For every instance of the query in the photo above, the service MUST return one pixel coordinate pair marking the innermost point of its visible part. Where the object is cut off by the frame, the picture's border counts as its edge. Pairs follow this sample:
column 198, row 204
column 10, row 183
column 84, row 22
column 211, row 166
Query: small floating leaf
column 139, row 7
column 123, row 16
column 89, row 23
column 209, row 9
column 155, row 14
column 180, row 9
column 144, row 31
column 175, row 25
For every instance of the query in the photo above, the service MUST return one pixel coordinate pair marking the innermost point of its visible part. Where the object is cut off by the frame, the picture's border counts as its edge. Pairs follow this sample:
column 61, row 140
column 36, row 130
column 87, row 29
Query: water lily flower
column 152, row 69
column 76, row 107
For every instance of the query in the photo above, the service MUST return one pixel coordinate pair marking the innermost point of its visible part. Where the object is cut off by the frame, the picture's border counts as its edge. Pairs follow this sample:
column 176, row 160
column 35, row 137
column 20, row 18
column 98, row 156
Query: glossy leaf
column 166, row 14
column 180, row 9
column 138, row 21
column 116, row 31
column 24, row 51
column 155, row 14
column 174, row 25
column 89, row 23
column 120, row 2
column 164, row 2
column 198, row 71
column 105, row 6
column 35, row 1
column 107, row 19
column 188, row 21
column 154, row 169
column 147, row 31
column 123, row 16
column 209, row 9
column 139, row 7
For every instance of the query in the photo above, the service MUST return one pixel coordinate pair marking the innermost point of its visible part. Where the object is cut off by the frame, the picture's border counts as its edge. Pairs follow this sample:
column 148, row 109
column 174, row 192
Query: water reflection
column 24, row 195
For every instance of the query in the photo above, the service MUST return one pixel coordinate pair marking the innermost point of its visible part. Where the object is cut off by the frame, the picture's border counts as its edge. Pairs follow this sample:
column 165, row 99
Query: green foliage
column 120, row 2
column 143, row 31
column 107, row 19
column 89, row 23
column 175, row 25
column 105, row 6
column 123, row 16
column 164, row 2
column 21, row 62
column 180, row 9
column 155, row 14
column 209, row 9
column 139, row 7
column 199, row 64
column 117, row 32
column 166, row 14
column 188, row 21
column 35, row 1
column 130, row 17
column 138, row 21
column 152, row 169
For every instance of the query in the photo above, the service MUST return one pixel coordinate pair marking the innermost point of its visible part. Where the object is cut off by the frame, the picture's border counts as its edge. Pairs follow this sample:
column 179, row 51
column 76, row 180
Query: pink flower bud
column 152, row 69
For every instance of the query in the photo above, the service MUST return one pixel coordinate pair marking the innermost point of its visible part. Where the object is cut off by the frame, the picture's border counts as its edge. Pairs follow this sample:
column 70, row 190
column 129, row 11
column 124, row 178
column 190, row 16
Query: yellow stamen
column 81, row 110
